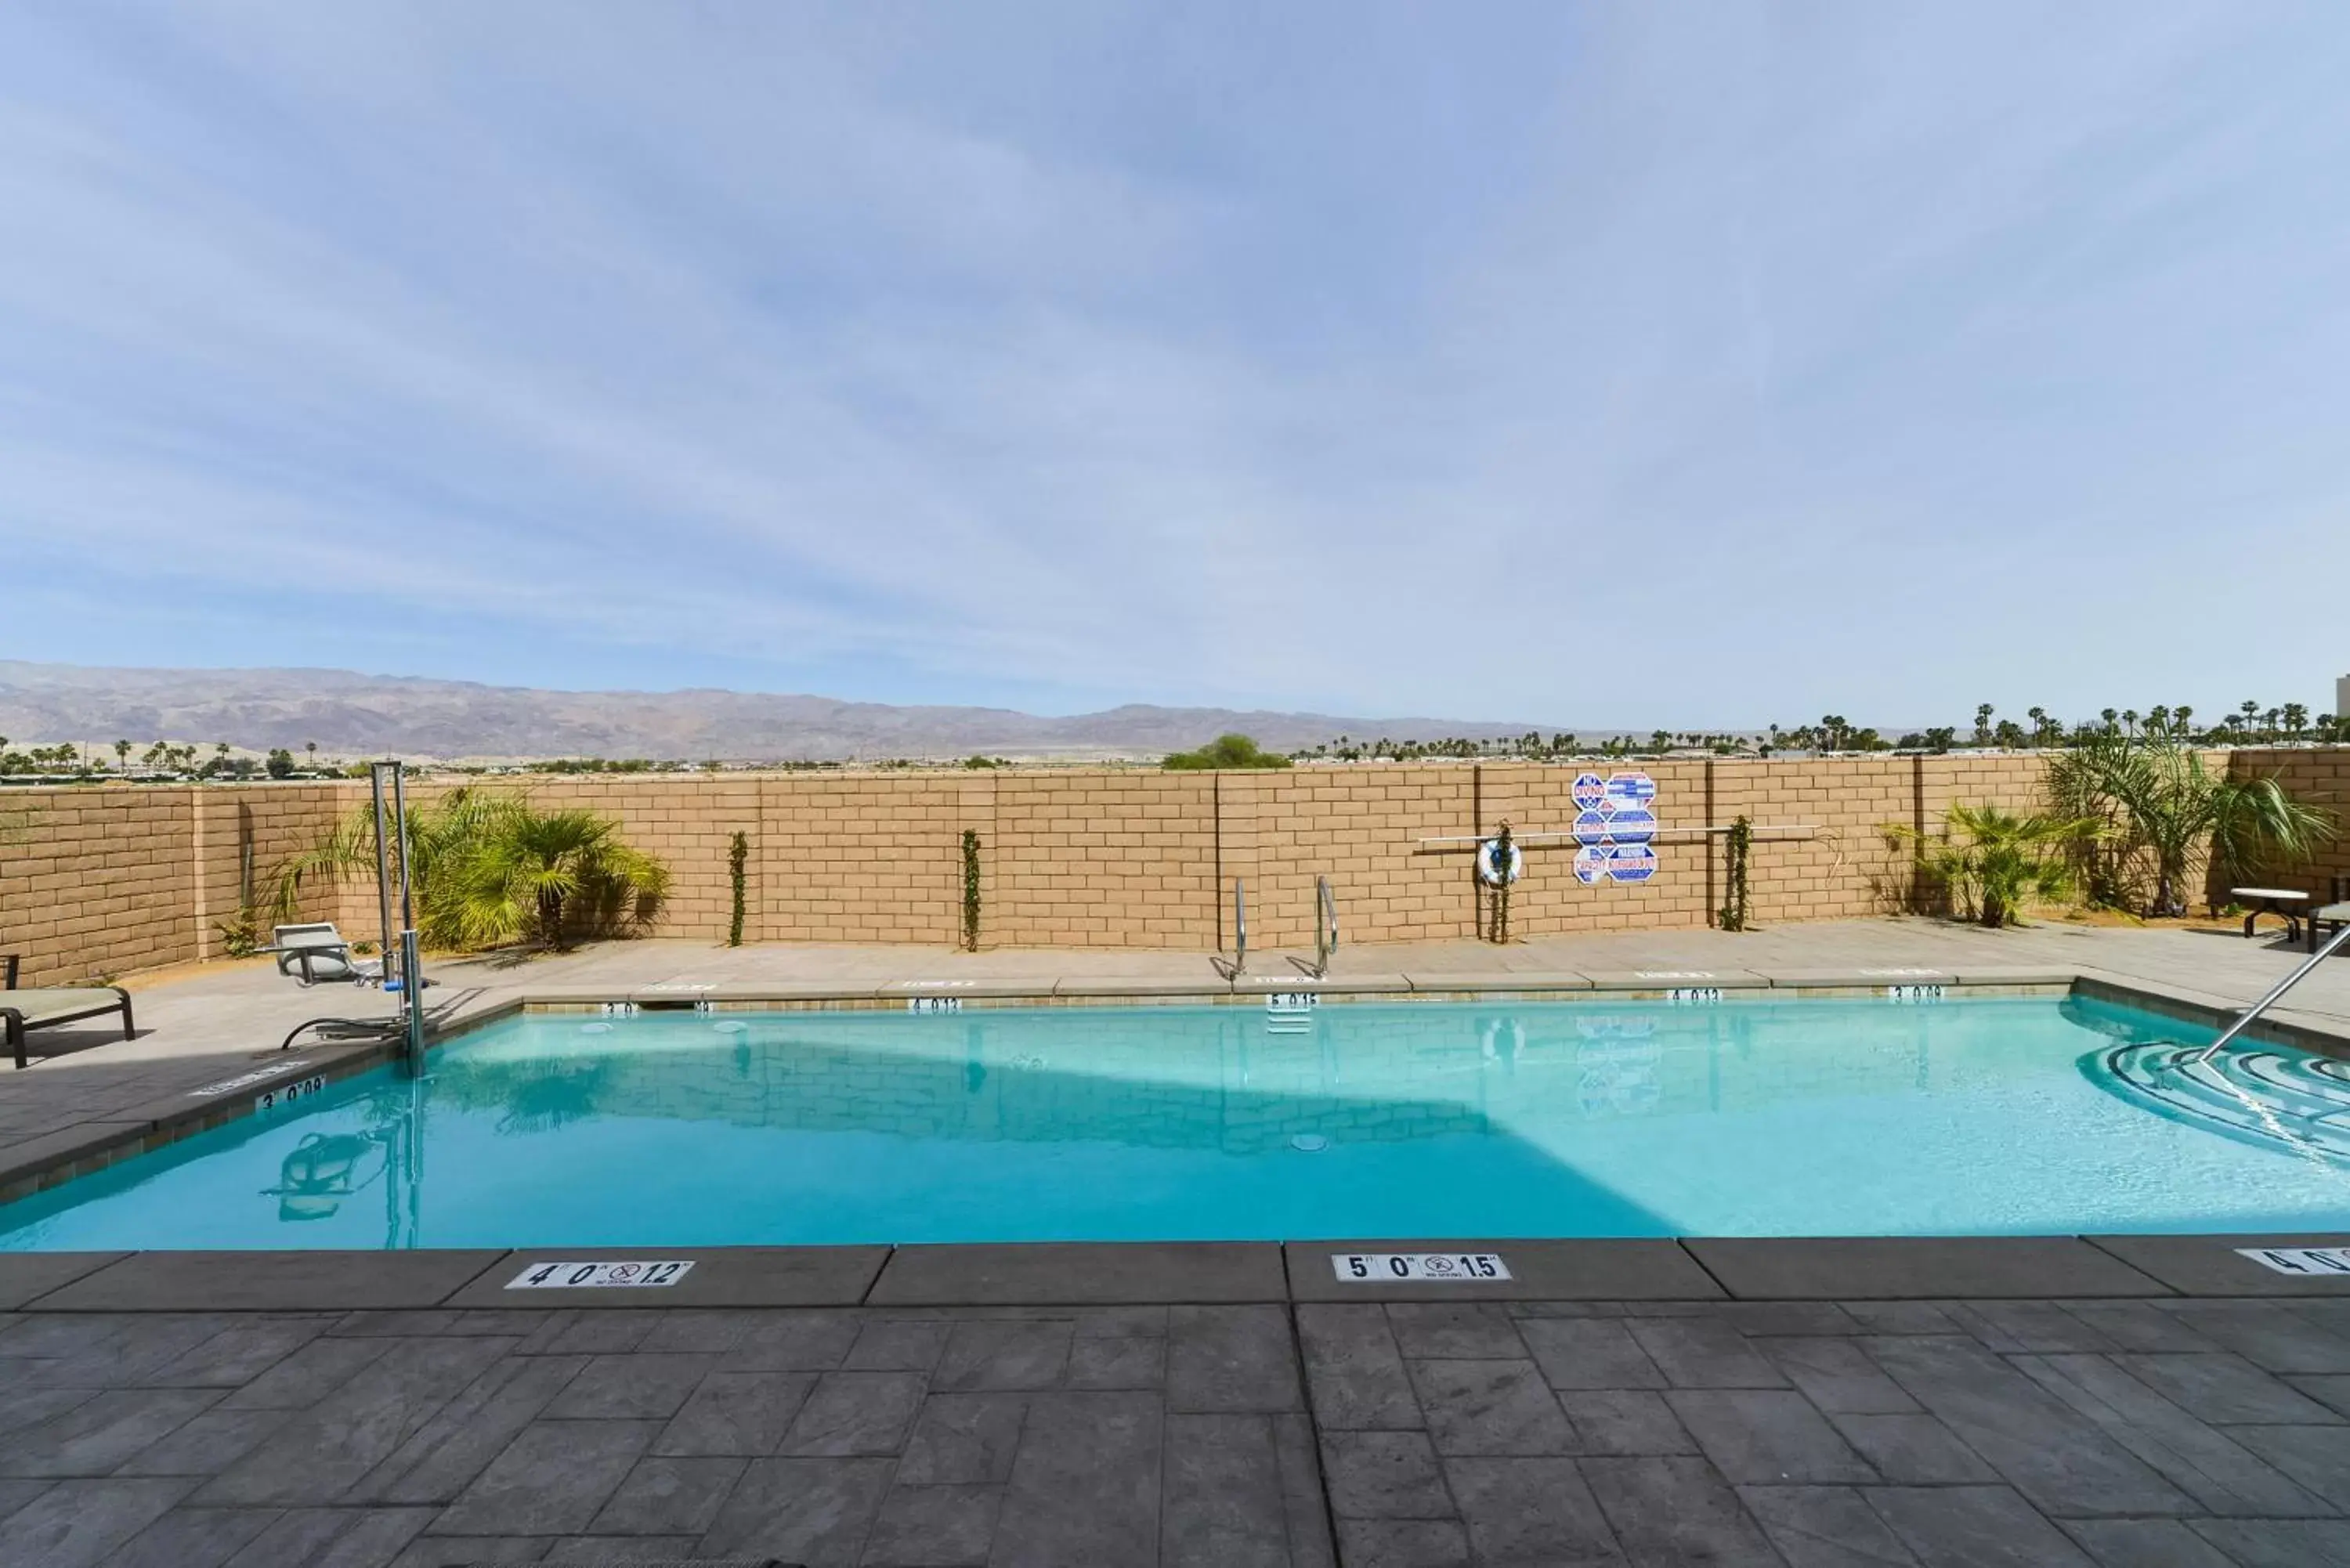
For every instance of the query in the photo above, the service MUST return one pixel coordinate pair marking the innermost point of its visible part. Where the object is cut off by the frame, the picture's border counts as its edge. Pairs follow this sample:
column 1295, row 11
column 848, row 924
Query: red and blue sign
column 1635, row 825
column 1614, row 825
column 1629, row 792
column 1632, row 863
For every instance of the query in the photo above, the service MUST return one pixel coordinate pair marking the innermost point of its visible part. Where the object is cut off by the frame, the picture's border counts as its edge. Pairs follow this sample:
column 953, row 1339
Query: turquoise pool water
column 1776, row 1115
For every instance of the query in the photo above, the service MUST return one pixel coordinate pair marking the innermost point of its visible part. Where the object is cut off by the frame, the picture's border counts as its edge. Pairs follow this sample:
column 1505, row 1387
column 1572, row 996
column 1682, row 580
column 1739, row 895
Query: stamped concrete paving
column 1942, row 1435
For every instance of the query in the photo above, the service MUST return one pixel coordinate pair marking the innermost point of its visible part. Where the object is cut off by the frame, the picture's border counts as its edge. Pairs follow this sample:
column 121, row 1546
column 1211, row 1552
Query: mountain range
column 350, row 714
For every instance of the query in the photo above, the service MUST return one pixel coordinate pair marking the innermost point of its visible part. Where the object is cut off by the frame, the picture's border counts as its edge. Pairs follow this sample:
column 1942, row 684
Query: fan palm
column 487, row 869
column 1991, row 859
column 2168, row 806
column 541, row 875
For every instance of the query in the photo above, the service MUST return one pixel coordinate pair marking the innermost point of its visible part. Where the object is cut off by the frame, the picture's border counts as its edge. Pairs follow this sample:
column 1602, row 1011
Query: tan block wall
column 1098, row 859
column 103, row 881
column 95, row 882
column 106, row 880
column 2320, row 778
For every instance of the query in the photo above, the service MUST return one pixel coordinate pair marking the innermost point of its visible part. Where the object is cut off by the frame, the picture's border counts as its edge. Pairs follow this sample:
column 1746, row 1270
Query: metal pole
column 411, row 966
column 411, row 996
column 400, row 811
column 2332, row 947
column 1240, row 924
column 382, row 870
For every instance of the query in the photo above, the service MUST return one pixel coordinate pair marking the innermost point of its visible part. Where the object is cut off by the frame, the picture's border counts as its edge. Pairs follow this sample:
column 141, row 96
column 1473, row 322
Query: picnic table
column 2285, row 903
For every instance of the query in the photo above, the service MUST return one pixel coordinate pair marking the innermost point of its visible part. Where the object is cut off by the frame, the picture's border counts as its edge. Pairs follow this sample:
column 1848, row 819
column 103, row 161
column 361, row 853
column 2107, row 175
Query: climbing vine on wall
column 1498, row 928
column 1734, row 849
column 738, row 855
column 971, row 889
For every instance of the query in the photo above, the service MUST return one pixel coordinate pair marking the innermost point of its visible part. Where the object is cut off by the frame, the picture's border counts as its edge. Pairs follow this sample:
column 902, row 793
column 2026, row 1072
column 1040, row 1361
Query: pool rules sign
column 1614, row 828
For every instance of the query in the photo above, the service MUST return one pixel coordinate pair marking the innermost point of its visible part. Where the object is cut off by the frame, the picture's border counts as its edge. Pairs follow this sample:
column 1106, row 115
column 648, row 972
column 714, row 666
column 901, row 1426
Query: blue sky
column 1591, row 364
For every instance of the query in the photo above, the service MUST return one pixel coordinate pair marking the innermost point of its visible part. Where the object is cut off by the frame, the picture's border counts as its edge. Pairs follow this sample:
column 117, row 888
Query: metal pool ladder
column 1326, row 929
column 2333, row 945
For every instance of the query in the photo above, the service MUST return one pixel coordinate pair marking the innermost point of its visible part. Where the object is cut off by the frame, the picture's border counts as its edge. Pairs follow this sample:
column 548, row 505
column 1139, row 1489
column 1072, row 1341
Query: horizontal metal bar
column 1782, row 832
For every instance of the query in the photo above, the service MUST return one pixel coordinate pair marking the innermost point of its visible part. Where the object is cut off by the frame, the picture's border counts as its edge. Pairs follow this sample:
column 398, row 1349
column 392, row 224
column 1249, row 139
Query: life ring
column 1488, row 863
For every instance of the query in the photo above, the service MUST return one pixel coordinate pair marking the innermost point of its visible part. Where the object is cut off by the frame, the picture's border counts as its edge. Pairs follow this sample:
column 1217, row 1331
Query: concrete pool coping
column 1108, row 1275
column 1248, row 988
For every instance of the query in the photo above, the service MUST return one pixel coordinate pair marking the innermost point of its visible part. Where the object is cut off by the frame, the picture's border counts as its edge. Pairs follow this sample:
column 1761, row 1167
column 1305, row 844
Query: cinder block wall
column 99, row 882
column 2321, row 777
column 107, row 879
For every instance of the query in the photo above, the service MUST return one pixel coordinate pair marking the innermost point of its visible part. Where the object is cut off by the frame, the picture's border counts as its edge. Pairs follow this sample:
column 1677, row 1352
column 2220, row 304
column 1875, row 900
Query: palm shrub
column 435, row 836
column 541, row 875
column 2163, row 807
column 488, row 870
column 1992, row 859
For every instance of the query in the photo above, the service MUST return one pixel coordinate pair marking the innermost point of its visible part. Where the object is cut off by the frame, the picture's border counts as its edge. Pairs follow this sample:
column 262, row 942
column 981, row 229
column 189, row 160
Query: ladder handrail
column 1326, row 925
column 1240, row 924
column 2333, row 946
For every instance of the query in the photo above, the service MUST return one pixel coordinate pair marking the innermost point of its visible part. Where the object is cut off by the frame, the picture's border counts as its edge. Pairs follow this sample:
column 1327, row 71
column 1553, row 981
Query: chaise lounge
column 45, row 1007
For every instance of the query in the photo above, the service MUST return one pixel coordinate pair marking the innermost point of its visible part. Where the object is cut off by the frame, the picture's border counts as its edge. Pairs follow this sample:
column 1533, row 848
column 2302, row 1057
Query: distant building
column 2342, row 698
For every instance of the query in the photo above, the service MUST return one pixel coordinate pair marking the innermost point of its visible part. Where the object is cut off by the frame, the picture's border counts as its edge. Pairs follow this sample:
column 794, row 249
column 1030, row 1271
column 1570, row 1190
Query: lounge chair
column 2324, row 922
column 45, row 1007
column 317, row 952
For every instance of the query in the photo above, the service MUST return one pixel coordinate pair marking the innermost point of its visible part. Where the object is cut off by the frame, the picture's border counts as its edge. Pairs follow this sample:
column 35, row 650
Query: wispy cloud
column 1584, row 365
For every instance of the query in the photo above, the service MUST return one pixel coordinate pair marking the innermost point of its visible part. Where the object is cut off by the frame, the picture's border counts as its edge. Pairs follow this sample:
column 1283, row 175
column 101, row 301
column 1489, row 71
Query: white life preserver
column 1488, row 863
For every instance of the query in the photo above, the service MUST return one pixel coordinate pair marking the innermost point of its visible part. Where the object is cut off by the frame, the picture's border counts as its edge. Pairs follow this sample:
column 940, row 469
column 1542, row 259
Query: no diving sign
column 2315, row 1262
column 1433, row 1268
column 582, row 1275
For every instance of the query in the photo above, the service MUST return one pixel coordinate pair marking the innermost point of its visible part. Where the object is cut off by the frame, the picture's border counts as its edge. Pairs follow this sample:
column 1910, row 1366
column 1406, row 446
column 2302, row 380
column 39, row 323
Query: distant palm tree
column 122, row 756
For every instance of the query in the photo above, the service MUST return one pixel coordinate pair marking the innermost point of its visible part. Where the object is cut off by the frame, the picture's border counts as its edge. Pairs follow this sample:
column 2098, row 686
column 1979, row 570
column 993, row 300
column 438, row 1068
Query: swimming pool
column 1775, row 1116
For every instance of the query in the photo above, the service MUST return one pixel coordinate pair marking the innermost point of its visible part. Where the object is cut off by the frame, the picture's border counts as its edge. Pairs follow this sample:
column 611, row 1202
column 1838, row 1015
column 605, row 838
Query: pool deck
column 1022, row 1406
column 2058, row 1400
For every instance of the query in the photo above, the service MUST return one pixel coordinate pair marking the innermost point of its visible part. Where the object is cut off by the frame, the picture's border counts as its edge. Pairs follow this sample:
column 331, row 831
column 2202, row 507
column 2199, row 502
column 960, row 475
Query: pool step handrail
column 1326, row 929
column 1240, row 924
column 2333, row 944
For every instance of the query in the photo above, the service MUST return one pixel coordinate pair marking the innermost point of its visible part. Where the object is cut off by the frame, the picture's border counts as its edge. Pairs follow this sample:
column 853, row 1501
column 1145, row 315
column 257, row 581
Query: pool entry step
column 2253, row 1092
